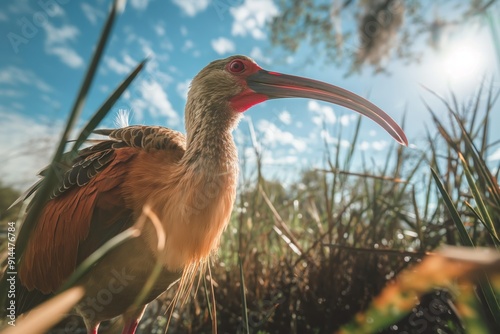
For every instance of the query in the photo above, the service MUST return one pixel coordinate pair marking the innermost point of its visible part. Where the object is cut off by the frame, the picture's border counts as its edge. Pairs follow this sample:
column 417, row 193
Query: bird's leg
column 93, row 329
column 130, row 326
column 131, row 319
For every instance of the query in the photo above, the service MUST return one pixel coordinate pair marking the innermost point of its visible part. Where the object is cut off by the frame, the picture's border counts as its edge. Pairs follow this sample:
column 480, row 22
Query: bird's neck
column 210, row 145
column 199, row 204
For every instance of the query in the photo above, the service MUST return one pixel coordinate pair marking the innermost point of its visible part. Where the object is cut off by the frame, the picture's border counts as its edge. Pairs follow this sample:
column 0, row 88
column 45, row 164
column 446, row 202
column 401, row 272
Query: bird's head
column 237, row 83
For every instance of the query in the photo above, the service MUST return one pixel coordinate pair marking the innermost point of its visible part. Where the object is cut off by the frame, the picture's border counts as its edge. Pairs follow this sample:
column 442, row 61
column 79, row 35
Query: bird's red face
column 260, row 85
column 241, row 69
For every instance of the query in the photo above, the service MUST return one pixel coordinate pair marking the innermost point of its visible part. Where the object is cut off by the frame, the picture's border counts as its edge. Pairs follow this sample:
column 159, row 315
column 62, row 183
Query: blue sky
column 40, row 75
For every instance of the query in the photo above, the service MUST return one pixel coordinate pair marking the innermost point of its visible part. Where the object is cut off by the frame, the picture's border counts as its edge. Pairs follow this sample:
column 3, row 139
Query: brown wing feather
column 52, row 253
column 88, row 207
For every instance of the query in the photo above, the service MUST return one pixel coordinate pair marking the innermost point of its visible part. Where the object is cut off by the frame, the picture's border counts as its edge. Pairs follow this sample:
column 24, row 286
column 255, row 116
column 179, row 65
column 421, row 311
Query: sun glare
column 464, row 60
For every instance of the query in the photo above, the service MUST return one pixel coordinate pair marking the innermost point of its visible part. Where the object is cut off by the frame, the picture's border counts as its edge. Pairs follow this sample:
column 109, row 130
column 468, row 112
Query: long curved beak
column 276, row 85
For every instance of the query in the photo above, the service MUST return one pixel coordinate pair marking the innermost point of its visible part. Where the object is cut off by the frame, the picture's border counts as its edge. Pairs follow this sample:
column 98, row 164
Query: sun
column 463, row 60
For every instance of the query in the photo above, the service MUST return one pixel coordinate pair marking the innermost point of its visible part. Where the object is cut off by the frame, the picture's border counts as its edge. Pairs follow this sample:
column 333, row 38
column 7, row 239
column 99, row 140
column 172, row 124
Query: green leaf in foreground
column 483, row 211
column 48, row 314
column 464, row 236
column 451, row 268
column 489, row 294
column 50, row 179
column 89, row 262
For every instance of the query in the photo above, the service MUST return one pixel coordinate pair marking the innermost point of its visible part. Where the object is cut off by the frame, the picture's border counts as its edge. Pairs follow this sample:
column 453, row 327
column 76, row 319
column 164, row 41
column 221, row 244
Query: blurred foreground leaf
column 452, row 268
column 46, row 315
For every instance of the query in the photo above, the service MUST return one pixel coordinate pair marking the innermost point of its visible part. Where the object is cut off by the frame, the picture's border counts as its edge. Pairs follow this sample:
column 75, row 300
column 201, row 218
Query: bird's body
column 112, row 285
column 136, row 166
column 188, row 182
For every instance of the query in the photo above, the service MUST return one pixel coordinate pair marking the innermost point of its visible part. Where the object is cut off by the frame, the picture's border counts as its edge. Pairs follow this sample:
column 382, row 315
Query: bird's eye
column 236, row 66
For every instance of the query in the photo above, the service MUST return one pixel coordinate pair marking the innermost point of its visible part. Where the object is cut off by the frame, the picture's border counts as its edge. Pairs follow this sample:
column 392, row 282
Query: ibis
column 188, row 181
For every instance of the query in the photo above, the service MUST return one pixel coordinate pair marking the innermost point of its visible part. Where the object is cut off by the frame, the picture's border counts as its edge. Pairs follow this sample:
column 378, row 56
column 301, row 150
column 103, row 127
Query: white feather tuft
column 122, row 118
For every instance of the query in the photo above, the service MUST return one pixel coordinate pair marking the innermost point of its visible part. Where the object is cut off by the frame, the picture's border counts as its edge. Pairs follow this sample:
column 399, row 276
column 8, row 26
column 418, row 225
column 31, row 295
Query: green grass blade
column 493, row 24
column 207, row 299
column 478, row 198
column 478, row 216
column 50, row 179
column 486, row 288
column 485, row 126
column 475, row 108
column 464, row 236
column 89, row 262
column 149, row 216
column 481, row 168
column 105, row 107
column 354, row 141
column 439, row 270
column 469, row 308
column 244, row 297
column 490, row 299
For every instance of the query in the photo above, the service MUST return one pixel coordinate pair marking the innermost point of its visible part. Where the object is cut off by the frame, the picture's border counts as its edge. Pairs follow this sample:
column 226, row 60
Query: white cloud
column 159, row 29
column 192, row 7
column 91, row 13
column 326, row 136
column 183, row 88
column 223, row 45
column 188, row 44
column 495, row 156
column 258, row 55
column 11, row 93
column 345, row 120
column 269, row 157
column 3, row 17
column 321, row 113
column 60, row 35
column 31, row 144
column 249, row 155
column 116, row 66
column 56, row 43
column 285, row 117
column 50, row 9
column 129, row 60
column 286, row 160
column 154, row 99
column 51, row 102
column 154, row 73
column 146, row 48
column 129, row 33
column 165, row 44
column 377, row 145
column 20, row 7
column 67, row 55
column 251, row 17
column 364, row 146
column 54, row 9
column 139, row 4
column 184, row 31
column 16, row 76
column 17, row 106
column 271, row 135
column 154, row 57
